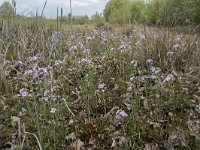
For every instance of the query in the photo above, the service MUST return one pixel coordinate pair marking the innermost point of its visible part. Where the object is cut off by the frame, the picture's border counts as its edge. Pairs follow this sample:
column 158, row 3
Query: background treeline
column 163, row 12
column 155, row 12
column 8, row 11
column 80, row 20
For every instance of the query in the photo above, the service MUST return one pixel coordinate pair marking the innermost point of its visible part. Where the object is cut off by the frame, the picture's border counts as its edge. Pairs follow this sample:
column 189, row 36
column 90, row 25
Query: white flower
column 143, row 78
column 120, row 114
column 152, row 77
column 28, row 72
column 116, row 87
column 132, row 78
column 19, row 63
column 198, row 108
column 44, row 72
column 142, row 36
column 86, row 51
column 155, row 70
column 7, row 62
column 169, row 54
column 22, row 90
column 53, row 98
column 34, row 58
column 169, row 78
column 84, row 60
column 88, row 38
column 149, row 61
column 134, row 31
column 177, row 39
column 113, row 49
column 58, row 62
column 72, row 48
column 101, row 86
column 72, row 69
column 53, row 110
column 125, row 45
column 45, row 99
column 37, row 71
column 46, row 92
column 24, row 93
column 176, row 46
column 134, row 63
column 130, row 88
column 122, row 46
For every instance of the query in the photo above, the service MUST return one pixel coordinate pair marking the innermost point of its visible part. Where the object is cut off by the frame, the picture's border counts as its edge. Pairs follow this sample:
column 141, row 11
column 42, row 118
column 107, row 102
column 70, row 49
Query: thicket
column 163, row 12
column 6, row 10
column 159, row 12
column 117, row 11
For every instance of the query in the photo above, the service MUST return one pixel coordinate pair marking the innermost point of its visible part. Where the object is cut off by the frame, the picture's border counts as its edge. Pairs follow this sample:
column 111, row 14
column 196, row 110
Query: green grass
column 86, row 86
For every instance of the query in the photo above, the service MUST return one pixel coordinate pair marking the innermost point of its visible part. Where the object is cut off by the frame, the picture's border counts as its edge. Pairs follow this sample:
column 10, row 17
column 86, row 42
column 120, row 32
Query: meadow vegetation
column 107, row 85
